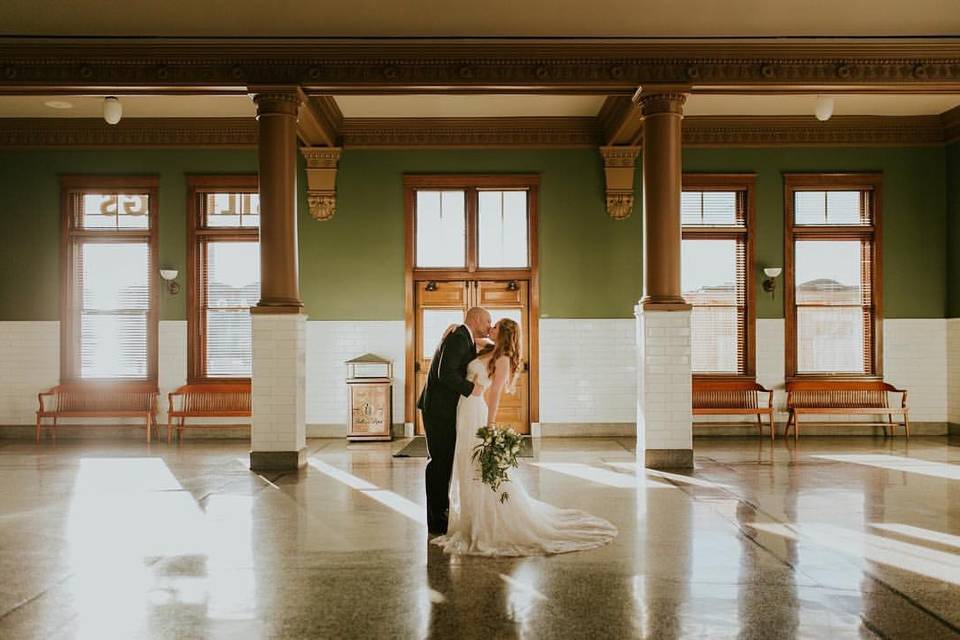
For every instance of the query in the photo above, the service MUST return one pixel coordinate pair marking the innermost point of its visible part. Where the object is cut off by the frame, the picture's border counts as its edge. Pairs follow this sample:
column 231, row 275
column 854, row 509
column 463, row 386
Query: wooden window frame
column 866, row 182
column 197, row 235
column 472, row 184
column 746, row 183
column 71, row 235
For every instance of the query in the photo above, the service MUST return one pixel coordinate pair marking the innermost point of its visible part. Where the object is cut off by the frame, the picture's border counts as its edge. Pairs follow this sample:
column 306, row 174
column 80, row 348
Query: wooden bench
column 98, row 400
column 733, row 397
column 229, row 400
column 844, row 397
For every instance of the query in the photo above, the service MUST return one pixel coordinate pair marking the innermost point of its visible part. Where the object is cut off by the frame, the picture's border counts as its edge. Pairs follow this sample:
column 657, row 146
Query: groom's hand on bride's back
column 477, row 389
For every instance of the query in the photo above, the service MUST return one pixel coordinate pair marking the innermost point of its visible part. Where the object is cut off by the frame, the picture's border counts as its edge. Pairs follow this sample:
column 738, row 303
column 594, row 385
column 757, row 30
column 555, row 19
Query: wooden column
column 278, row 381
column 664, row 414
column 279, row 276
column 662, row 170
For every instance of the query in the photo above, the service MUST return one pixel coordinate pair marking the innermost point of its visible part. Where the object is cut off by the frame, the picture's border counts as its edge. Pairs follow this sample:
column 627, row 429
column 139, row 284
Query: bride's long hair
column 507, row 344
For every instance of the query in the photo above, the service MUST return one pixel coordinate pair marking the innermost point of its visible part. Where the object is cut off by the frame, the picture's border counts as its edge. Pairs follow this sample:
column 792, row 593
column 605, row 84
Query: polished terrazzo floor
column 830, row 538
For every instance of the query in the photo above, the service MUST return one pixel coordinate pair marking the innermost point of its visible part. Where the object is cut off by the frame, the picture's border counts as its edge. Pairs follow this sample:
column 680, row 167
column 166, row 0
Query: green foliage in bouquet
column 495, row 454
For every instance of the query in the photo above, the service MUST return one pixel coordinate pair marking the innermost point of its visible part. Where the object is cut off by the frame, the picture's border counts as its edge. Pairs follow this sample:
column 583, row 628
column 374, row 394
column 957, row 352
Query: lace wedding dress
column 480, row 524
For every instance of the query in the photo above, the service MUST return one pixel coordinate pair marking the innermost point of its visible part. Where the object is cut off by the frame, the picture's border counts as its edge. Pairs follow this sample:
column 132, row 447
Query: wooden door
column 509, row 300
column 439, row 304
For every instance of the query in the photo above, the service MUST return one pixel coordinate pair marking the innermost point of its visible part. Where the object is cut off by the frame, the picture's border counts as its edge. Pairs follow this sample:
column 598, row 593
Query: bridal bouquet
column 496, row 453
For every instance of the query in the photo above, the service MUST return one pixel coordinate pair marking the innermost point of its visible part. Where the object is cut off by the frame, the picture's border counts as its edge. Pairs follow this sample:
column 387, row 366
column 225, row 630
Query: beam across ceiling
column 588, row 66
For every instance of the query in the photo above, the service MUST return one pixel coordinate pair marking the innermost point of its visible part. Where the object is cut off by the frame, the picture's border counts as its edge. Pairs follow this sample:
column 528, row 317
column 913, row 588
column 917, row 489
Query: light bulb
column 112, row 110
column 824, row 108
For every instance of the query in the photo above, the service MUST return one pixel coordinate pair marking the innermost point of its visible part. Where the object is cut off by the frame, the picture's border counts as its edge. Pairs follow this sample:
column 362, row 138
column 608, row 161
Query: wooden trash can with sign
column 369, row 380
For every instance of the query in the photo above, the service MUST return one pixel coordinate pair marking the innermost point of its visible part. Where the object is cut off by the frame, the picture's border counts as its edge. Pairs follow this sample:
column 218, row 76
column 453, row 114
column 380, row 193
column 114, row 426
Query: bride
column 479, row 523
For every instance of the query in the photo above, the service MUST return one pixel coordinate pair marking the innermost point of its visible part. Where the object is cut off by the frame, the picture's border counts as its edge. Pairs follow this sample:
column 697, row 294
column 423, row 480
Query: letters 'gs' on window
column 109, row 250
column 224, row 278
column 716, row 257
column 832, row 274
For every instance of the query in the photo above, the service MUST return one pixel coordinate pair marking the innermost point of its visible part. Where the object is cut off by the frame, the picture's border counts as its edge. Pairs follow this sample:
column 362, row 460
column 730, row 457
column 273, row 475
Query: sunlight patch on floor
column 898, row 463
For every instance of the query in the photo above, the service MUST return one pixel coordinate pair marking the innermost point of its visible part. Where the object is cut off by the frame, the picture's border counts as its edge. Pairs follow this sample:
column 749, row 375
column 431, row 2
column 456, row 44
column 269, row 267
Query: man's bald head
column 478, row 320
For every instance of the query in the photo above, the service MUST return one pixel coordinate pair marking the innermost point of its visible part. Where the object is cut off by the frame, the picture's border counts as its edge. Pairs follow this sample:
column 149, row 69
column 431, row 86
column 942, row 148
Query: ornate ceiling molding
column 449, row 65
column 130, row 132
column 759, row 131
column 471, row 132
column 545, row 132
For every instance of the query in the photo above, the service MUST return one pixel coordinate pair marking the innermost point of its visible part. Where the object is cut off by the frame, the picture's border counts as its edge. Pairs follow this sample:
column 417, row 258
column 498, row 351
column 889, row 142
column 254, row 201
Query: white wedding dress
column 479, row 524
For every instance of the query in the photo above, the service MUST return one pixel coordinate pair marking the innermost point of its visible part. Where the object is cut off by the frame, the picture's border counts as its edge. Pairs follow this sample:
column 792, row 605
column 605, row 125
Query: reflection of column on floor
column 661, row 586
column 664, row 417
column 278, row 431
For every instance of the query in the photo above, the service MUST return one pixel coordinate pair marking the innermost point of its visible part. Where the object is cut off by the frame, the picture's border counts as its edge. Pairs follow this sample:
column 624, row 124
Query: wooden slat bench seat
column 844, row 397
column 231, row 400
column 98, row 400
column 733, row 397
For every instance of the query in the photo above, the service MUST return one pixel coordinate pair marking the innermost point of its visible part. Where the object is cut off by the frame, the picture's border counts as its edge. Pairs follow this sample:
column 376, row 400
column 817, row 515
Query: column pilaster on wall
column 278, row 433
column 664, row 414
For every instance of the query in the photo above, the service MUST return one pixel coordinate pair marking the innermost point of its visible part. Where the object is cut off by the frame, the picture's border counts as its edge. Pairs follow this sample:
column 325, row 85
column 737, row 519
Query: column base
column 668, row 458
column 278, row 460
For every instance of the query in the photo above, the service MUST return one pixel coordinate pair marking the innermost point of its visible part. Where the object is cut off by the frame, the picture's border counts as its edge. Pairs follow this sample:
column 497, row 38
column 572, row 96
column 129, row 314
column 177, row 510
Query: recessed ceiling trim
column 402, row 133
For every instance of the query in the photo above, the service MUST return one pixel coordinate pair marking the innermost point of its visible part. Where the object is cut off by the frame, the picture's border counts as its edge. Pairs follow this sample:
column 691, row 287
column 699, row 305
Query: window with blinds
column 108, row 330
column 715, row 272
column 832, row 309
column 225, row 276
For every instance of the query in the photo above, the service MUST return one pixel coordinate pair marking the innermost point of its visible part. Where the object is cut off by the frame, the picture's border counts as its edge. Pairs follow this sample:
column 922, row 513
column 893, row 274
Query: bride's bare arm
column 501, row 372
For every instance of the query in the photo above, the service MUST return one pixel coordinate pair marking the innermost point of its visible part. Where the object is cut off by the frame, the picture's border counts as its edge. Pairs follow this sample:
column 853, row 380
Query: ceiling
column 467, row 106
column 459, row 18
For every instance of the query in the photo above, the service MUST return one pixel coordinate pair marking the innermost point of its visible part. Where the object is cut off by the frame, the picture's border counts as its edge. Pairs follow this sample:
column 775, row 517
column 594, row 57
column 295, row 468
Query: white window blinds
column 232, row 282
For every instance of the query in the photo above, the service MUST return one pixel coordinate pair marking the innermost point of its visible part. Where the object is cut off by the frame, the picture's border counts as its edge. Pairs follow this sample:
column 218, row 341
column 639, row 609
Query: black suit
column 446, row 382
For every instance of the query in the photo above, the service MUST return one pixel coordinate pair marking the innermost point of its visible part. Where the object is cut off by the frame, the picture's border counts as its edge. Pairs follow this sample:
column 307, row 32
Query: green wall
column 913, row 215
column 30, row 211
column 590, row 265
column 953, row 229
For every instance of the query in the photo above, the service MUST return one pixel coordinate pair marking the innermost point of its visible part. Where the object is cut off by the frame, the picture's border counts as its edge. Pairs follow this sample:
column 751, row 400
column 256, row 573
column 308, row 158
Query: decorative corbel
column 321, row 180
column 618, row 166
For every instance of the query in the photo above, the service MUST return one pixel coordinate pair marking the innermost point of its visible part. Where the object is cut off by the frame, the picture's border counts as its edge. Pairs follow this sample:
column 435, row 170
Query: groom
column 446, row 382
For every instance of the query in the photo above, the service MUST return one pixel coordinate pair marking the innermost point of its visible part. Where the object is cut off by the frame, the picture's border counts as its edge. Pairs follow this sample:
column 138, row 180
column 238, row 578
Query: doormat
column 417, row 448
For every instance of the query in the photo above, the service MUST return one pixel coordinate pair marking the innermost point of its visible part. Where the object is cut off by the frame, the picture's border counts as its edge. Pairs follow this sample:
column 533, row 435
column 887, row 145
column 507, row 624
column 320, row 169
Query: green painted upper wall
column 953, row 229
column 30, row 211
column 590, row 265
column 913, row 215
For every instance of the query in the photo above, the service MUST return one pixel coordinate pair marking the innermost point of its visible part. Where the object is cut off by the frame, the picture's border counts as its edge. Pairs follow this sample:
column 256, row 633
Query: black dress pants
column 441, row 443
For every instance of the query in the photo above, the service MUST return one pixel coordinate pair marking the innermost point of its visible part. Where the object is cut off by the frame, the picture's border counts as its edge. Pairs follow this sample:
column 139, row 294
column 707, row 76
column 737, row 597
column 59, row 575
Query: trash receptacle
column 369, row 384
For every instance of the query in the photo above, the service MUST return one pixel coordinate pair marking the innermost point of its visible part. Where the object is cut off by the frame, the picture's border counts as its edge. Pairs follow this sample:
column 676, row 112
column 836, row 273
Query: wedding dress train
column 480, row 524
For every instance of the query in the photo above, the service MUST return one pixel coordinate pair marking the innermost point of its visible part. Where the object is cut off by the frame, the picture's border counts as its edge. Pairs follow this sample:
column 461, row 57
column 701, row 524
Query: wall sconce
column 170, row 279
column 770, row 283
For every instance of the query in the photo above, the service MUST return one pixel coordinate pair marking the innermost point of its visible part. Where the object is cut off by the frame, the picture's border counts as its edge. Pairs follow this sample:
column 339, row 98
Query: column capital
column 278, row 99
column 665, row 100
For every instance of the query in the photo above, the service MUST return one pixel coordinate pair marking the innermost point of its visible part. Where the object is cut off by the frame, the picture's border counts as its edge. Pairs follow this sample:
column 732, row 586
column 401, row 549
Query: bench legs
column 794, row 419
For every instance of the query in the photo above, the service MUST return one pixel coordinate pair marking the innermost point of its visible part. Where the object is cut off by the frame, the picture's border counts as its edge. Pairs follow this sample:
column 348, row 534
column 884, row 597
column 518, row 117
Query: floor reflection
column 835, row 538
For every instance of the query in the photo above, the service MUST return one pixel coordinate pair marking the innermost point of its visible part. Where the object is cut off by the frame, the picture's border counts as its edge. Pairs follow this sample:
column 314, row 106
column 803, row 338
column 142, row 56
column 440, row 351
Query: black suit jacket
column 447, row 379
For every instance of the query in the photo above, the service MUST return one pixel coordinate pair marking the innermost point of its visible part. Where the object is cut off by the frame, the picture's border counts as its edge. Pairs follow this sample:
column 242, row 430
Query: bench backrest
column 733, row 394
column 214, row 398
column 93, row 398
column 838, row 394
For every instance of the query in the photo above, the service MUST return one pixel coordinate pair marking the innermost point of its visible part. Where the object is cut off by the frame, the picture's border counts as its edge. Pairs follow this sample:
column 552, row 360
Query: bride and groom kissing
column 472, row 367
